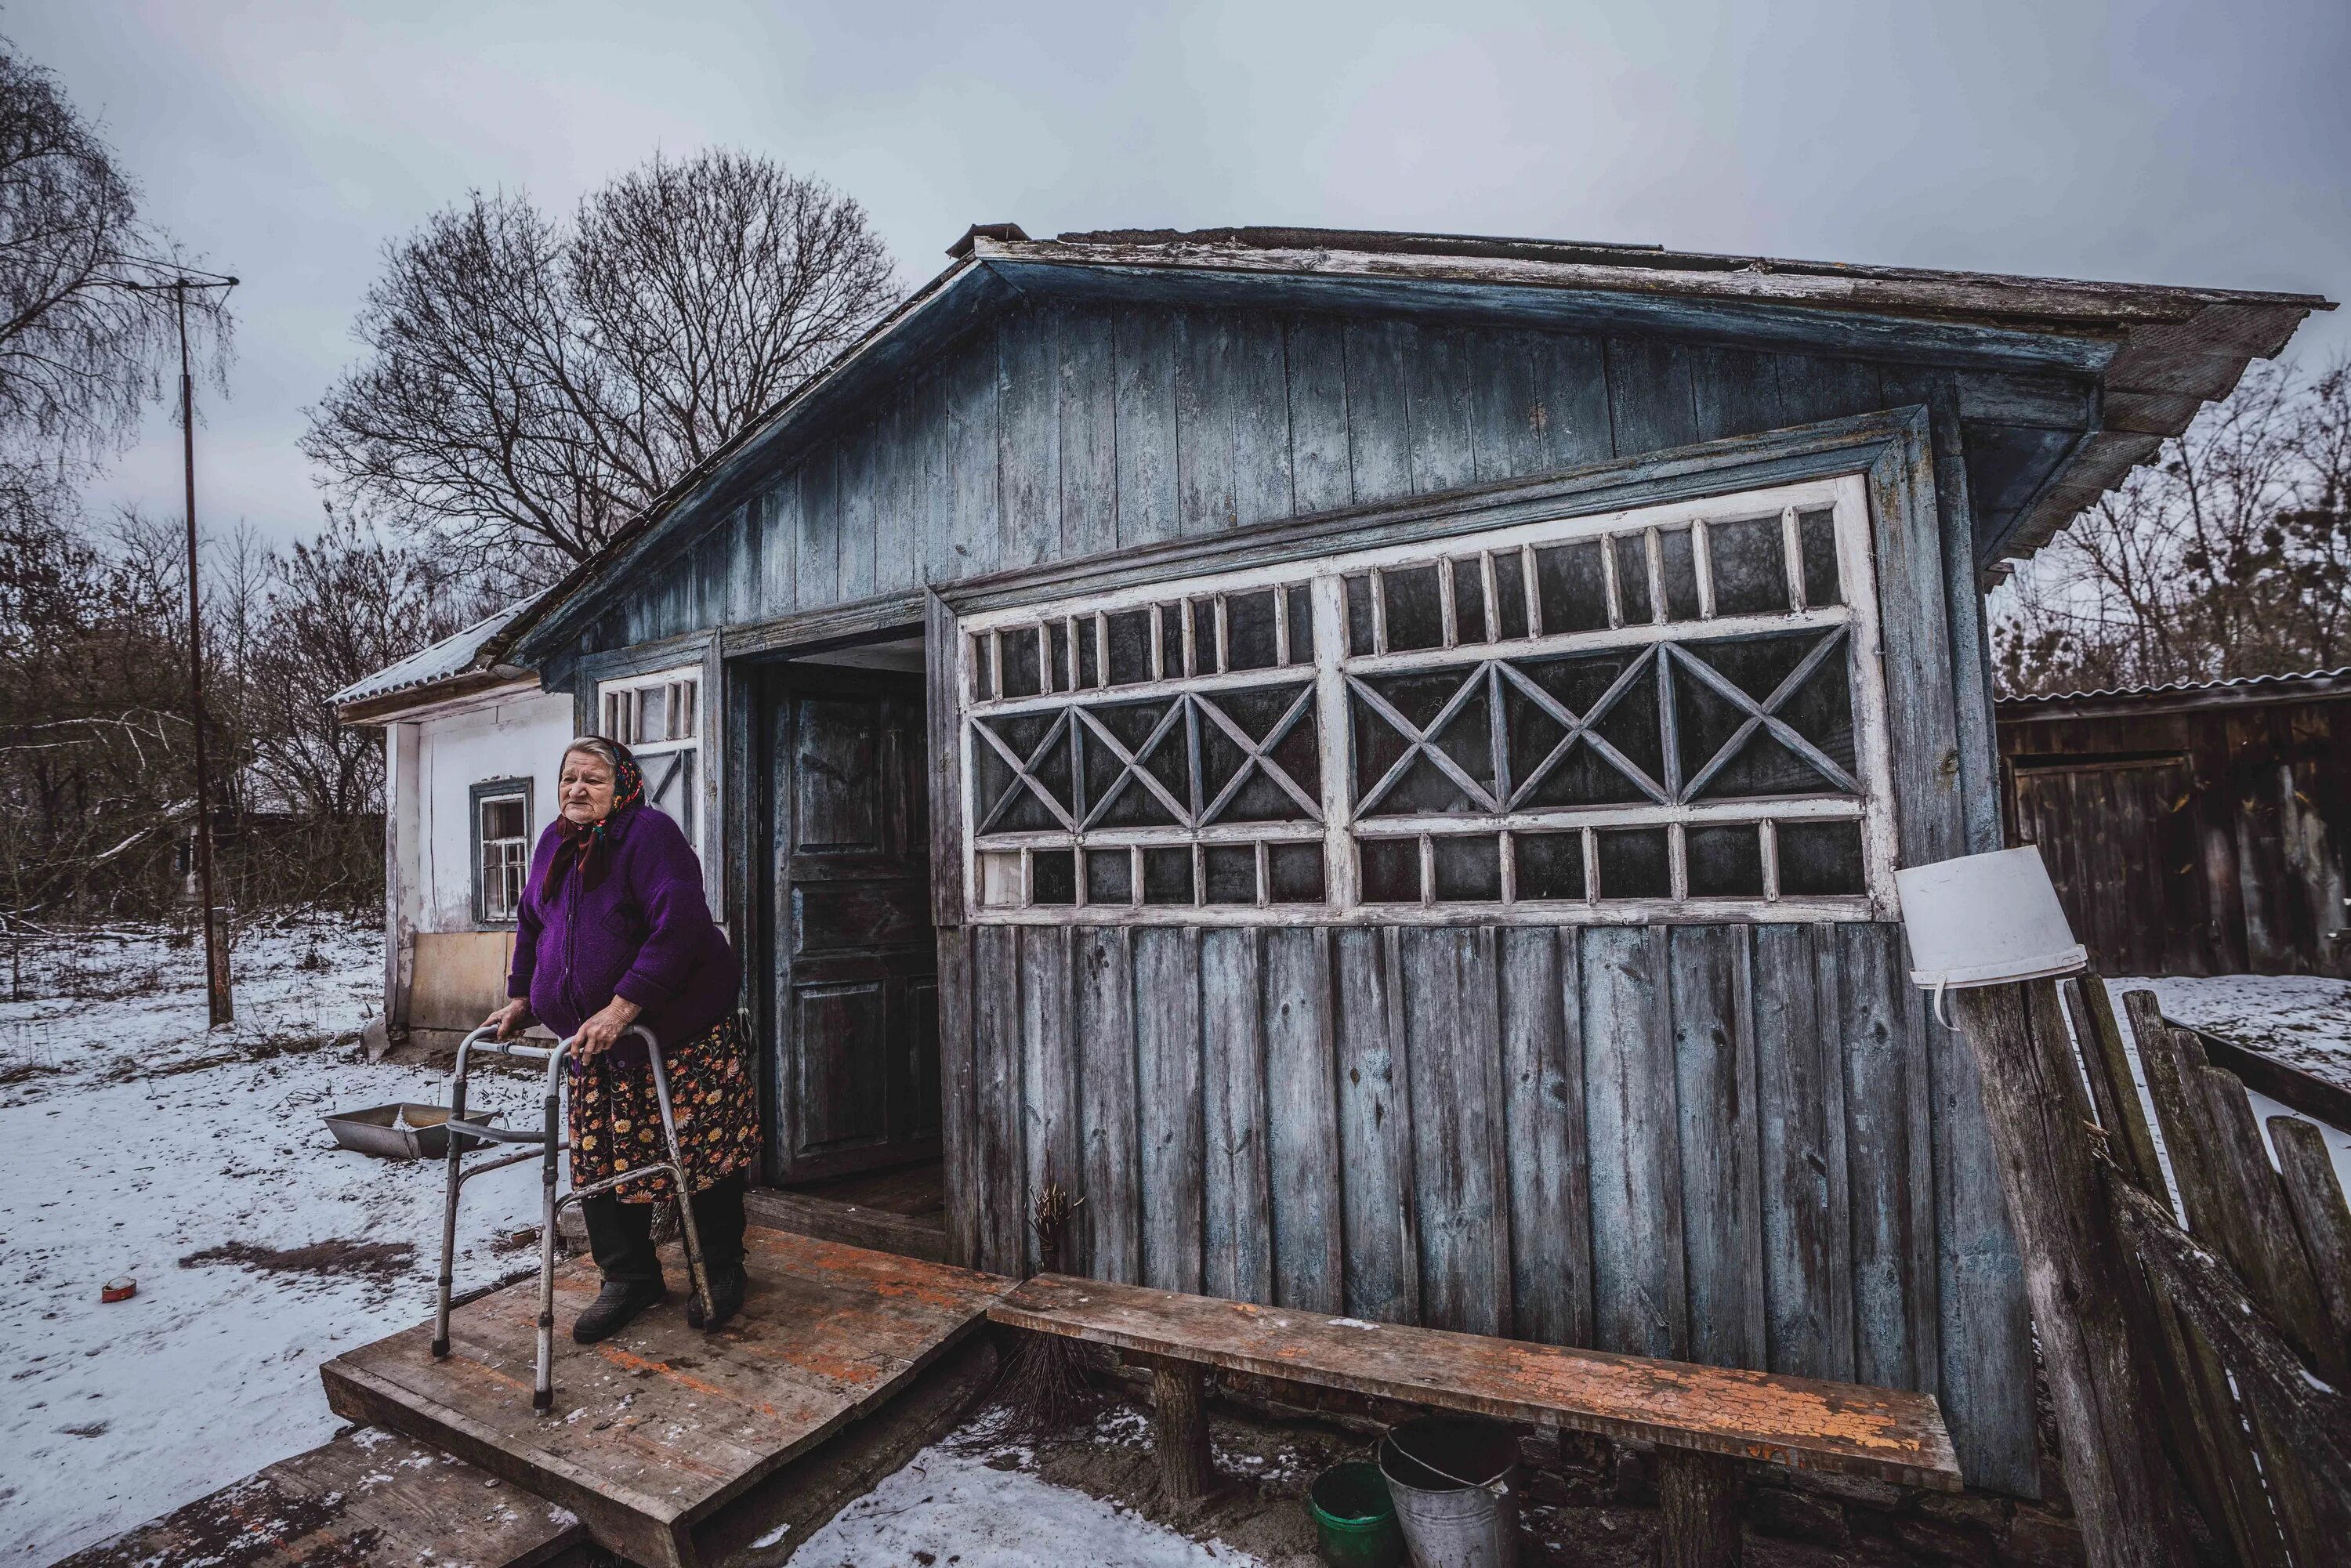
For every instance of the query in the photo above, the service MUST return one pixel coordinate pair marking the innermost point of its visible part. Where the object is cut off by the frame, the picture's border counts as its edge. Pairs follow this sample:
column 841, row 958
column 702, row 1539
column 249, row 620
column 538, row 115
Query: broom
column 1044, row 1388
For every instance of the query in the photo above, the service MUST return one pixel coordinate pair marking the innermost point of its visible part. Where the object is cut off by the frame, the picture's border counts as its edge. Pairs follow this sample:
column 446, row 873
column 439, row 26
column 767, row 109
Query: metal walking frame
column 545, row 1146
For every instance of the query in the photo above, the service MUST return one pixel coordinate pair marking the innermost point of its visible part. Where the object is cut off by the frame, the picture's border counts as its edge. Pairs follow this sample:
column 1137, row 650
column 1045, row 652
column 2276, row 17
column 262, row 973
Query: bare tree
column 338, row 607
column 2230, row 556
column 530, row 386
column 78, row 350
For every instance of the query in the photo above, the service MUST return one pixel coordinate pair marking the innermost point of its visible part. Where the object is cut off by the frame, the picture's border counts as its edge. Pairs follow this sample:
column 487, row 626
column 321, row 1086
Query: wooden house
column 1377, row 760
column 2193, row 828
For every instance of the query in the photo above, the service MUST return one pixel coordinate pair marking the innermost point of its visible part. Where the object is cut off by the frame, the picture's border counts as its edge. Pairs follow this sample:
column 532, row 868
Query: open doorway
column 850, row 1010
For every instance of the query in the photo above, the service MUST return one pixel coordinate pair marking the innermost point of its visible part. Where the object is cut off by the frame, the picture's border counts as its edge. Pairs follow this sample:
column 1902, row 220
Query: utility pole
column 218, row 1003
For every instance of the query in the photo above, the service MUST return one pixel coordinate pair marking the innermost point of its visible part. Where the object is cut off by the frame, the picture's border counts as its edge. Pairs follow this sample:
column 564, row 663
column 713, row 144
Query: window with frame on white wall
column 658, row 716
column 1675, row 712
column 502, row 844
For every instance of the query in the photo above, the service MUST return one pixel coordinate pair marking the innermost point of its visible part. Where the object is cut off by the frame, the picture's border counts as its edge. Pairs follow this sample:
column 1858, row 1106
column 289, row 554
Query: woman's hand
column 510, row 1019
column 603, row 1031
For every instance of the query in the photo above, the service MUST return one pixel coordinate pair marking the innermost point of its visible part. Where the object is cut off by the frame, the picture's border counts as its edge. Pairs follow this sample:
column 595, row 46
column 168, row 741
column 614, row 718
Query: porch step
column 369, row 1499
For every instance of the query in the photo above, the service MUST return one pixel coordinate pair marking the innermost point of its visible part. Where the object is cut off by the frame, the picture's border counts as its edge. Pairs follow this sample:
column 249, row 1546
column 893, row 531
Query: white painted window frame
column 657, row 755
column 987, row 862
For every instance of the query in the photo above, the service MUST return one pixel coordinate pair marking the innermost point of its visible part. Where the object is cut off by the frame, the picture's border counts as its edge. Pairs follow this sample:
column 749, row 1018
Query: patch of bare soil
column 379, row 1262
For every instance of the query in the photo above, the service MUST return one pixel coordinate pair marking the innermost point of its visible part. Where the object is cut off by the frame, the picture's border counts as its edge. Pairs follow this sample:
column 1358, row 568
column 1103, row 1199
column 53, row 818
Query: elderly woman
column 613, row 932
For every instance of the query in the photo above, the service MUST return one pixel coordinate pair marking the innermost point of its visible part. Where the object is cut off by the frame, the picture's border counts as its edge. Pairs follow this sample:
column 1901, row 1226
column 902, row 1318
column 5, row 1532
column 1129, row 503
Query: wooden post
column 1180, row 1416
column 2074, row 1275
column 1697, row 1497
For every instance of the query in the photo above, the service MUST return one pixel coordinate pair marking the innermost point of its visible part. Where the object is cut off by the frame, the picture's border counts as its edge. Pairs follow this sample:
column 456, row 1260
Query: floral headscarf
column 582, row 841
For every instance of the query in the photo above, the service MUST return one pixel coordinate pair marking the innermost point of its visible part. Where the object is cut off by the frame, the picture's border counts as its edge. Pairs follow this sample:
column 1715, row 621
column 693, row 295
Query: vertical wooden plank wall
column 1745, row 1144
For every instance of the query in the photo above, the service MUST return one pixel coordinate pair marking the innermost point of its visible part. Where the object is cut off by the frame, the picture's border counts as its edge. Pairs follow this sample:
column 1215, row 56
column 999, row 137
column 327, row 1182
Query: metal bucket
column 402, row 1130
column 1455, row 1482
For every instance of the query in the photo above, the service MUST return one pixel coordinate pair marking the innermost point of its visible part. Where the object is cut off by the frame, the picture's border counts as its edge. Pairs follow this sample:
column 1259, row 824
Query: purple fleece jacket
column 643, row 932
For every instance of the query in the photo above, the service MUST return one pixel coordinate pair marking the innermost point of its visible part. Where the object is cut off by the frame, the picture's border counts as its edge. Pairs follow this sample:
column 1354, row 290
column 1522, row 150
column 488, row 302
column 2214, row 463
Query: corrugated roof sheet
column 2174, row 688
column 449, row 657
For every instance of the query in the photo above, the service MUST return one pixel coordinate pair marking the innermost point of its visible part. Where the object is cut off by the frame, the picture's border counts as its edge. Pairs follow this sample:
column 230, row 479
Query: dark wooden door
column 854, row 963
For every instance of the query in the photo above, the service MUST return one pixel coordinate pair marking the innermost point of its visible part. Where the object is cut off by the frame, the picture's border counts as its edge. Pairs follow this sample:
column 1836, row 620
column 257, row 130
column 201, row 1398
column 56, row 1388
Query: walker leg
column 542, row 1395
column 449, row 1218
column 688, row 1234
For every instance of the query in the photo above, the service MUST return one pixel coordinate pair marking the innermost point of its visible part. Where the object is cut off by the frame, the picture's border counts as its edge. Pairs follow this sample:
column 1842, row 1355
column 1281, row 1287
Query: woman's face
column 586, row 788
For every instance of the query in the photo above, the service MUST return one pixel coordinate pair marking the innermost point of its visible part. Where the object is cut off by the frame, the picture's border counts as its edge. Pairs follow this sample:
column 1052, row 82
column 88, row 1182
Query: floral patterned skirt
column 616, row 1117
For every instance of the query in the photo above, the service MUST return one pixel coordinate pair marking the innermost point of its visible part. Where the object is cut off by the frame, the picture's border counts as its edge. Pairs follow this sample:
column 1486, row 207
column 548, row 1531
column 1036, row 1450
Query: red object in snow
column 119, row 1289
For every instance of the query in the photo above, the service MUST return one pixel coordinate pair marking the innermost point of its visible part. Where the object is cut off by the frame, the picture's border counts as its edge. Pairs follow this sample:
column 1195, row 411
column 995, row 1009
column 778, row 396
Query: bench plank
column 1803, row 1423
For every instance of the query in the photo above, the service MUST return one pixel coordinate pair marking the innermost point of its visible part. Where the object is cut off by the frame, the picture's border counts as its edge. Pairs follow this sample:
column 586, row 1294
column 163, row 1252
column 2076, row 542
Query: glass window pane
column 1294, row 873
column 1467, row 869
column 652, row 712
column 1389, row 870
column 1633, row 862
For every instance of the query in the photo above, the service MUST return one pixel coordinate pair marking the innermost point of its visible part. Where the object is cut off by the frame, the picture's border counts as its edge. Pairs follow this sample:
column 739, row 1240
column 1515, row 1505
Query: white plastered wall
column 443, row 971
column 517, row 735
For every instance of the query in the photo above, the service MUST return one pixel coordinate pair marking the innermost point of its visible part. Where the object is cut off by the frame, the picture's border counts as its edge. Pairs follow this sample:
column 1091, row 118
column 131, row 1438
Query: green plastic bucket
column 1354, row 1517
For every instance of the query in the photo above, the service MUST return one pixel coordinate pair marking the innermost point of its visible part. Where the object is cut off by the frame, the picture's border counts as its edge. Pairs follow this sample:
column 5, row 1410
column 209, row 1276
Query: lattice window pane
column 1583, row 719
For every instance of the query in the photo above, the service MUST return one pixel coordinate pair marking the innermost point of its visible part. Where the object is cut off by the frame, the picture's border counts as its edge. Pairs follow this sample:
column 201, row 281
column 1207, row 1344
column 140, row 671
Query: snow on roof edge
column 450, row 657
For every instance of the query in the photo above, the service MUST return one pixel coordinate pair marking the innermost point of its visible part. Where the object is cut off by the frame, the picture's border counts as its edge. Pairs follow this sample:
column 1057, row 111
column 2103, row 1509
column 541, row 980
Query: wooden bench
column 1699, row 1418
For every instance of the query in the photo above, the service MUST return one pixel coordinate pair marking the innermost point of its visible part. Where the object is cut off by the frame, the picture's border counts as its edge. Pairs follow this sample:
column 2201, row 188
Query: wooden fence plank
column 897, row 545
column 1379, row 425
column 1146, row 436
column 1640, row 1298
column 1029, row 460
column 1437, row 408
column 1722, row 1142
column 1571, row 387
column 816, row 575
column 995, row 1050
column 1110, row 1225
column 1650, row 404
column 2098, row 1377
column 1049, row 1073
column 959, row 1097
column 2262, row 1238
column 1550, row 1167
column 860, row 514
column 1504, row 413
column 1382, row 1254
column 1454, row 1047
column 1239, row 1229
column 1167, row 1070
column 1320, row 470
column 2316, row 1196
column 2100, row 1039
column 1204, row 421
column 1799, row 1088
column 975, row 438
column 1089, row 437
column 1262, row 485
column 1881, row 1162
column 1304, row 1172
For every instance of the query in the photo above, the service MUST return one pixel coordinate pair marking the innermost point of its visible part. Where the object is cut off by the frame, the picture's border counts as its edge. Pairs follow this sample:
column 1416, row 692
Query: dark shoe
column 725, row 1298
column 615, row 1304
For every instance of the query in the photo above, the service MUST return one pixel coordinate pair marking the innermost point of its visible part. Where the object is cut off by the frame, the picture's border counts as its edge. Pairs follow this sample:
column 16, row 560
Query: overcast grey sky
column 288, row 141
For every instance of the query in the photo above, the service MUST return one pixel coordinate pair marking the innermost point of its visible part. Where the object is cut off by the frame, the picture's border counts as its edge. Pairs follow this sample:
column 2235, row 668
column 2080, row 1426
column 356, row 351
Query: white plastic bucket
column 1985, row 920
column 1455, row 1483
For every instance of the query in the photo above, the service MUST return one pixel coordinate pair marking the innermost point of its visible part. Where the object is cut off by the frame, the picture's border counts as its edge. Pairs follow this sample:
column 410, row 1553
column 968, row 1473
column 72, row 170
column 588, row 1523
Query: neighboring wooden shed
column 1378, row 760
column 2194, row 829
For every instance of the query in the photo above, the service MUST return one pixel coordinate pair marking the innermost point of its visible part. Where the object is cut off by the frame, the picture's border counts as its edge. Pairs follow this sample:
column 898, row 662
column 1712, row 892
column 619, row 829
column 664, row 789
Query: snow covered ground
column 974, row 1499
column 134, row 1142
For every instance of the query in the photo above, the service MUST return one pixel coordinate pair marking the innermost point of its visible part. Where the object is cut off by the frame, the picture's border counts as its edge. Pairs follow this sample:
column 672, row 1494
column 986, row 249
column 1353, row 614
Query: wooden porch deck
column 654, row 1430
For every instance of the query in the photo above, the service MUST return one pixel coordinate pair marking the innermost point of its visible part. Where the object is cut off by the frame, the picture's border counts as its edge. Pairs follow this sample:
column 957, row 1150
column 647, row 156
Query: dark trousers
column 620, row 1234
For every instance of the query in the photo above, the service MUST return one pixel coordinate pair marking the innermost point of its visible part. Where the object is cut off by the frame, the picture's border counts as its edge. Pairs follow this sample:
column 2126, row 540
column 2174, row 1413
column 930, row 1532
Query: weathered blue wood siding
column 1744, row 1145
